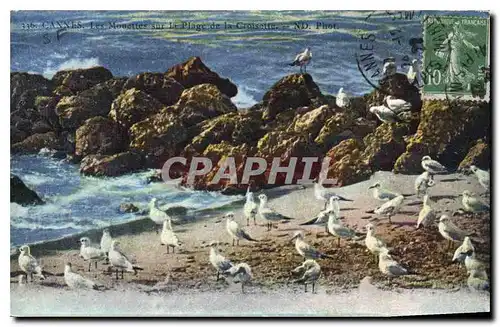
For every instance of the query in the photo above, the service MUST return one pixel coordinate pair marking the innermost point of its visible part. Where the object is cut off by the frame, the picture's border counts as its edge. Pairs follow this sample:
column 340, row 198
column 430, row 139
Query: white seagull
column 168, row 237
column 389, row 68
column 382, row 194
column 478, row 281
column 342, row 100
column 28, row 264
column 337, row 229
column 218, row 261
column 241, row 273
column 388, row 266
column 324, row 194
column 483, row 176
column 373, row 242
column 432, row 166
column 427, row 215
column 302, row 59
column 268, row 214
column 120, row 261
column 423, row 182
column 156, row 215
column 322, row 217
column 310, row 272
column 450, row 231
column 250, row 208
column 391, row 207
column 306, row 250
column 106, row 240
column 472, row 204
column 385, row 114
column 235, row 231
column 461, row 252
column 90, row 252
column 413, row 72
column 397, row 105
column 76, row 281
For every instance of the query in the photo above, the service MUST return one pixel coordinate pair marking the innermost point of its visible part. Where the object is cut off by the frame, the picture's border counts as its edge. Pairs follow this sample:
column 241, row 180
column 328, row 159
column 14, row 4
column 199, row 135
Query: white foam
column 243, row 99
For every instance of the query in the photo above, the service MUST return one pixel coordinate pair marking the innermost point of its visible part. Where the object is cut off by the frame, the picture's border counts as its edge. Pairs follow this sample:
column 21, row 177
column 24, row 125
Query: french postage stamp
column 456, row 57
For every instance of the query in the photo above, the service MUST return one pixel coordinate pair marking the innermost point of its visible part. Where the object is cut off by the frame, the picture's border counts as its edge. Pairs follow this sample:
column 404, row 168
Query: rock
column 194, row 72
column 292, row 91
column 163, row 88
column 21, row 194
column 128, row 208
column 115, row 85
column 312, row 121
column 113, row 165
column 36, row 142
column 24, row 87
column 46, row 107
column 347, row 164
column 73, row 111
column 71, row 82
column 40, row 127
column 247, row 129
column 201, row 102
column 479, row 155
column 286, row 145
column 133, row 106
column 177, row 211
column 17, row 135
column 99, row 135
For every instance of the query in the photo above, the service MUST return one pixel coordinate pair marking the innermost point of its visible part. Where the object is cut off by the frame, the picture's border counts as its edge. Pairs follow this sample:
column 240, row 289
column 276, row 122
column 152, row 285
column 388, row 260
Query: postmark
column 456, row 58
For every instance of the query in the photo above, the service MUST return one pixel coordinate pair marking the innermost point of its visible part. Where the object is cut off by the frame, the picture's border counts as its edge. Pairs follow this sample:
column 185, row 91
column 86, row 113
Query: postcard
column 250, row 163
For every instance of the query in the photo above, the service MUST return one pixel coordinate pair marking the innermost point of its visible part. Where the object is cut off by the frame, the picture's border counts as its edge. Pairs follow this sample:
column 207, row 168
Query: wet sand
column 274, row 256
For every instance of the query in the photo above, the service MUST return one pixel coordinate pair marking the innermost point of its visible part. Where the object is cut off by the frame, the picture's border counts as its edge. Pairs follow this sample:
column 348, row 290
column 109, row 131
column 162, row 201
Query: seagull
column 372, row 242
column 427, row 215
column 306, row 250
column 388, row 266
column 471, row 262
column 90, row 252
column 424, row 181
column 322, row 217
column 168, row 236
column 156, row 215
column 106, row 240
column 28, row 264
column 75, row 281
column 385, row 114
column 302, row 59
column 241, row 273
column 266, row 213
column 472, row 204
column 461, row 252
column 382, row 194
column 397, row 105
column 390, row 208
column 483, row 176
column 342, row 100
column 389, row 67
column 235, row 231
column 309, row 271
column 217, row 260
column 120, row 261
column 432, row 166
column 250, row 207
column 412, row 74
column 478, row 281
column 338, row 230
column 324, row 194
column 450, row 231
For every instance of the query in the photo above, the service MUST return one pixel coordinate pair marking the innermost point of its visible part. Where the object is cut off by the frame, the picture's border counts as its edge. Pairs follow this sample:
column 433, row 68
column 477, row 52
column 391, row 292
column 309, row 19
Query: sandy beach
column 192, row 288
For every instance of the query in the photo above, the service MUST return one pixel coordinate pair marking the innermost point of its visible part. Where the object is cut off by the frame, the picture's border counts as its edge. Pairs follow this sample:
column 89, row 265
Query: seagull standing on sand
column 427, row 215
column 483, row 177
column 76, row 281
column 266, row 213
column 423, row 182
column 397, row 105
column 385, row 114
column 306, row 250
column 478, row 281
column 156, row 215
column 337, row 229
column 373, row 243
column 450, row 231
column 28, row 264
column 382, row 194
column 388, row 266
column 461, row 252
column 235, row 231
column 217, row 260
column 432, row 166
column 302, row 59
column 241, row 273
column 120, row 261
column 413, row 73
column 106, row 240
column 322, row 217
column 390, row 208
column 250, row 208
column 168, row 236
column 324, row 194
column 310, row 271
column 90, row 252
column 342, row 100
column 472, row 204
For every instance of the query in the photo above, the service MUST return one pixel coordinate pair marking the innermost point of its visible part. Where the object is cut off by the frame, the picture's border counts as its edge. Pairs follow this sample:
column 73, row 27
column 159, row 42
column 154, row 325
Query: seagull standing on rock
column 218, row 261
column 483, row 177
column 76, row 281
column 266, row 213
column 250, row 208
column 423, row 182
column 413, row 73
column 382, row 194
column 306, row 250
column 389, row 67
column 385, row 114
column 310, row 272
column 472, row 204
column 241, row 273
column 156, row 215
column 397, row 105
column 302, row 59
column 28, row 264
column 235, row 231
column 433, row 166
column 342, row 100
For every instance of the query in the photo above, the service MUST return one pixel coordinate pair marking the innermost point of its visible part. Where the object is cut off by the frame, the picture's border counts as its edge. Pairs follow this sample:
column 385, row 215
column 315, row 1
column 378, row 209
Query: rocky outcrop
column 128, row 208
column 312, row 121
column 99, row 135
column 74, row 110
column 479, row 155
column 113, row 165
column 132, row 106
column 71, row 82
column 36, row 142
column 163, row 88
column 194, row 72
column 24, row 88
column 21, row 194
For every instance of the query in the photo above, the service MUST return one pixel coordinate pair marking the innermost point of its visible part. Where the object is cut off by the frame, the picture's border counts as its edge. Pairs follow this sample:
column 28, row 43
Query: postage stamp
column 456, row 57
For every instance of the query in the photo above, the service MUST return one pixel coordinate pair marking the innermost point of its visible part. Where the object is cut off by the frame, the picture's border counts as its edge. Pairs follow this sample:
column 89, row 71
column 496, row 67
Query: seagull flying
column 28, row 264
column 302, row 59
column 432, row 166
column 235, row 231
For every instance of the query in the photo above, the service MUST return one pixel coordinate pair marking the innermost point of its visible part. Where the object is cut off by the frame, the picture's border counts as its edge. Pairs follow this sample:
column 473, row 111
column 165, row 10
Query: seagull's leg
column 31, row 277
column 173, row 249
column 217, row 275
column 338, row 242
column 305, row 288
column 95, row 264
column 326, row 228
column 248, row 221
column 390, row 222
column 233, row 241
column 107, row 258
column 238, row 242
column 242, row 287
column 157, row 231
column 90, row 264
column 122, row 273
column 116, row 273
column 254, row 221
column 313, row 286
column 168, row 249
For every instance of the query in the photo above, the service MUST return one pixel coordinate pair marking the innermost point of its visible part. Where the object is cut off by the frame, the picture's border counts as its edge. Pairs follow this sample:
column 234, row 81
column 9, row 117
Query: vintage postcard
column 250, row 163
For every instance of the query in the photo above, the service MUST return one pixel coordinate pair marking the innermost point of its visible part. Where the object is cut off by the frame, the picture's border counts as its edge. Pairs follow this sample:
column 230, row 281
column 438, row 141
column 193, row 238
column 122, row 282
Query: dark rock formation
column 21, row 194
column 113, row 165
column 71, row 82
column 128, row 208
column 36, row 142
column 479, row 155
column 163, row 88
column 24, row 87
column 347, row 165
column 100, row 135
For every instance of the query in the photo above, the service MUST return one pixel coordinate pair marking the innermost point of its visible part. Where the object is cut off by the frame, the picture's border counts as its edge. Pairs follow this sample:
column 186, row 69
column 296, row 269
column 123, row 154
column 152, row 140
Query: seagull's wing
column 434, row 165
column 454, row 232
column 396, row 269
column 311, row 274
column 270, row 214
column 80, row 281
column 345, row 232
